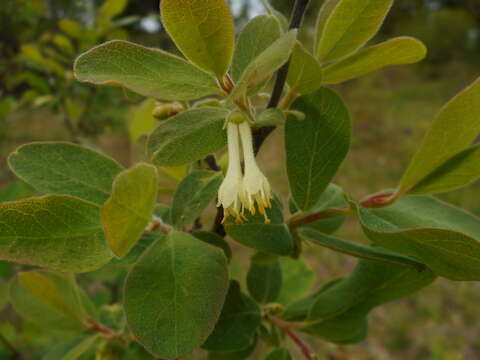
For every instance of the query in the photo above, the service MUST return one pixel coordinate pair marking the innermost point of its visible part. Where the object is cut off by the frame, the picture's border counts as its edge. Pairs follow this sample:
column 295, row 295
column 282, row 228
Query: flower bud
column 164, row 111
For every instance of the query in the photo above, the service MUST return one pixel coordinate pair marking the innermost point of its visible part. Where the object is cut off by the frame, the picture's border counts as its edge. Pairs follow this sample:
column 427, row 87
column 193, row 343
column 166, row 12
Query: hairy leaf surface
column 65, row 169
column 398, row 51
column 175, row 293
column 203, row 30
column 316, row 146
column 129, row 210
column 349, row 25
column 58, row 232
column 187, row 137
column 147, row 71
column 445, row 238
column 238, row 323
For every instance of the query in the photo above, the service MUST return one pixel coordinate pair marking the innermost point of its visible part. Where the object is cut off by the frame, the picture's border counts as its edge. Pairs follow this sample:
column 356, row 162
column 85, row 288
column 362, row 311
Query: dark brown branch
column 296, row 19
column 212, row 163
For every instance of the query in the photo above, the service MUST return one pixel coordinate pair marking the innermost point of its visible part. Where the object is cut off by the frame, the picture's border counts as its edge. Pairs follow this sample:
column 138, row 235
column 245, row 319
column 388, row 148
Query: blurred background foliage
column 40, row 100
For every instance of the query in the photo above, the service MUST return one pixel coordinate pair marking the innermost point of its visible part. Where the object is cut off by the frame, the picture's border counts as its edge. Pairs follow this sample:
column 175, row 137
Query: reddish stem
column 287, row 328
column 96, row 326
column 380, row 200
column 309, row 354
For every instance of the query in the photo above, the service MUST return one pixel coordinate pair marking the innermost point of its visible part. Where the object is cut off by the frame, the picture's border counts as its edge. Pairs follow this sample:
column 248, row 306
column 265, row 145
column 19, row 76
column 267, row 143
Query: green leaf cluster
column 76, row 210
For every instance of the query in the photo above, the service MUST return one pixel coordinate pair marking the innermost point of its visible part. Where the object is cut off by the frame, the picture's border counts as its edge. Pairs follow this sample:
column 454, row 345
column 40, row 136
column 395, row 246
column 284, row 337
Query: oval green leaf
column 265, row 64
column 349, row 24
column 453, row 130
column 193, row 195
column 297, row 278
column 51, row 300
column 259, row 33
column 398, row 51
column 304, row 72
column 460, row 170
column 187, row 137
column 339, row 313
column 129, row 210
column 65, row 169
column 316, row 146
column 57, row 232
column 272, row 238
column 175, row 293
column 147, row 71
column 203, row 30
column 238, row 323
column 264, row 281
column 445, row 238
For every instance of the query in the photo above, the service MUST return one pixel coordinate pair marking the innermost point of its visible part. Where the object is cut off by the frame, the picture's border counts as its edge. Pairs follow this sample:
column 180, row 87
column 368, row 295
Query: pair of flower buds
column 242, row 190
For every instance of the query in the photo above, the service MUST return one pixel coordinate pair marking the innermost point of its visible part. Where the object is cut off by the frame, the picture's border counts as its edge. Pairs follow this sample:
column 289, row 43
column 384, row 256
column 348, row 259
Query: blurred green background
column 391, row 109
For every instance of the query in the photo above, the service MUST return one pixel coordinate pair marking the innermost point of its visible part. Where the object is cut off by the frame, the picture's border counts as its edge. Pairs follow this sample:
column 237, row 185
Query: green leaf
column 175, row 293
column 129, row 210
column 142, row 122
column 193, row 195
column 233, row 355
column 350, row 24
column 3, row 294
column 270, row 117
column 264, row 281
column 188, row 136
column 279, row 354
column 147, row 71
column 16, row 190
column 57, row 232
column 265, row 64
column 398, row 51
column 453, row 130
column 273, row 238
column 109, row 9
column 316, row 146
column 202, row 30
column 82, row 348
column 297, row 279
column 461, row 169
column 339, row 312
column 70, row 27
column 445, row 238
column 66, row 169
column 304, row 72
column 259, row 33
column 215, row 240
column 360, row 251
column 238, row 323
column 51, row 300
column 299, row 309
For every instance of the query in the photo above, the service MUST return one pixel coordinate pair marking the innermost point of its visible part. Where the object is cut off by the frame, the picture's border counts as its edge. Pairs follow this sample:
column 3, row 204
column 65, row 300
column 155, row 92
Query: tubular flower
column 256, row 188
column 231, row 191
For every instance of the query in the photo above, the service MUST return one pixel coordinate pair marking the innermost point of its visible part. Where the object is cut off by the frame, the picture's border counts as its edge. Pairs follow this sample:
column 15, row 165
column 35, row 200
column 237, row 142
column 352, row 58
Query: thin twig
column 309, row 354
column 287, row 328
column 296, row 19
column 102, row 329
column 374, row 201
column 212, row 163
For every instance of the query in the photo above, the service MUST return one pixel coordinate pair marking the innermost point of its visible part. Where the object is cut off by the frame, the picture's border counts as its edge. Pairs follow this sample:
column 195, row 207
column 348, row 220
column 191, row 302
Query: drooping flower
column 256, row 188
column 231, row 191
